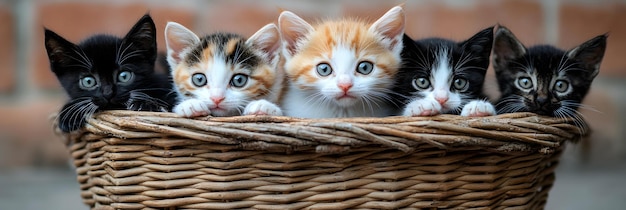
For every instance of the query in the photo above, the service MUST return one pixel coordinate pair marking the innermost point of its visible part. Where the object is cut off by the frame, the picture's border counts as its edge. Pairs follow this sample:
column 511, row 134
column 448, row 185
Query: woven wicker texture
column 143, row 160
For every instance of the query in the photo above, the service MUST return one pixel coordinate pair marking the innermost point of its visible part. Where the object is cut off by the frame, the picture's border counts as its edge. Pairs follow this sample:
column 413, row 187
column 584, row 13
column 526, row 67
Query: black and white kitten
column 543, row 79
column 107, row 72
column 440, row 76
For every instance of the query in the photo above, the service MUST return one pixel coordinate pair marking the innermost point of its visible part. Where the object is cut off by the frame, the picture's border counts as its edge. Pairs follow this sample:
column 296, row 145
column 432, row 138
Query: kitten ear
column 480, row 44
column 59, row 49
column 590, row 54
column 179, row 41
column 292, row 29
column 267, row 39
column 391, row 27
column 143, row 36
column 506, row 47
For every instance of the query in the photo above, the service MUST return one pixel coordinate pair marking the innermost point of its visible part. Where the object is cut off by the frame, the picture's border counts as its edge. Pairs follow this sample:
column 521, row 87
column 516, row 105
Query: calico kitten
column 106, row 72
column 543, row 79
column 440, row 76
column 342, row 68
column 222, row 73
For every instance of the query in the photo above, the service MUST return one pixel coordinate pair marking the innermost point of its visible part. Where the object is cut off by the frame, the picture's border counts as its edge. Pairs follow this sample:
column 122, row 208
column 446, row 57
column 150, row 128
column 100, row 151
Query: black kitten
column 440, row 76
column 543, row 79
column 106, row 72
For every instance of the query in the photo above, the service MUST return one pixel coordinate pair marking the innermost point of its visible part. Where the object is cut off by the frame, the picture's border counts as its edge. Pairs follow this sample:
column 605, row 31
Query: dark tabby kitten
column 106, row 72
column 543, row 79
column 440, row 76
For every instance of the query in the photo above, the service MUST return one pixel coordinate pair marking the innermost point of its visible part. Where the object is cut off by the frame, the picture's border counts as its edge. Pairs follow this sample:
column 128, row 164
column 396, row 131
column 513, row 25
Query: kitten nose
column 217, row 100
column 345, row 86
column 541, row 100
column 441, row 100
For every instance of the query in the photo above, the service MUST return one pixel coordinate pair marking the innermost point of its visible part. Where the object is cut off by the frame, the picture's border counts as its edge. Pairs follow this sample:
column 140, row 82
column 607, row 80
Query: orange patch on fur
column 231, row 46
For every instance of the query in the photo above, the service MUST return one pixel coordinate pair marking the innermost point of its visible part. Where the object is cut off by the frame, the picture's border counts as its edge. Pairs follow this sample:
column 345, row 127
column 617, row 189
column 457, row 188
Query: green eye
column 125, row 76
column 365, row 67
column 88, row 82
column 198, row 79
column 239, row 80
column 421, row 83
column 324, row 69
column 525, row 83
column 561, row 86
column 460, row 83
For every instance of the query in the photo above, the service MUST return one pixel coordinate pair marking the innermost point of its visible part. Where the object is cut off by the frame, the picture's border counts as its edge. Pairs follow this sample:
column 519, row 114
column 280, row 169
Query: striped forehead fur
column 350, row 32
column 231, row 46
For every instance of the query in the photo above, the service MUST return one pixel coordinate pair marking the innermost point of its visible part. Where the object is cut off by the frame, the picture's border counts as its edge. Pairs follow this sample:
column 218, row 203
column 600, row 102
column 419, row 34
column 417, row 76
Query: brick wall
column 29, row 92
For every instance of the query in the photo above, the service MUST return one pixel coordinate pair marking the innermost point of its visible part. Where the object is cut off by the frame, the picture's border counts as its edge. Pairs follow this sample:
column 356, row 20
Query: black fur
column 418, row 57
column 544, row 63
column 104, row 57
column 242, row 55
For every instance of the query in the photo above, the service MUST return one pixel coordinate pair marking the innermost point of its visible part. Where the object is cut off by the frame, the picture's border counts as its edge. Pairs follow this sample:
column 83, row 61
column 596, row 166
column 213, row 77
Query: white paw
column 192, row 108
column 478, row 108
column 262, row 107
column 422, row 107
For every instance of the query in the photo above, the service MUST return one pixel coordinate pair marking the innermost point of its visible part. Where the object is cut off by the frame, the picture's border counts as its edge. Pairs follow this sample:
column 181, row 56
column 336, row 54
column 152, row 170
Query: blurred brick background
column 29, row 92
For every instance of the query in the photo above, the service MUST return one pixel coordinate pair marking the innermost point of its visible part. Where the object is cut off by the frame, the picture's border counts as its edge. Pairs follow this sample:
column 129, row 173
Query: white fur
column 422, row 107
column 441, row 81
column 391, row 27
column 192, row 108
column 323, row 100
column 478, row 108
column 181, row 40
column 262, row 107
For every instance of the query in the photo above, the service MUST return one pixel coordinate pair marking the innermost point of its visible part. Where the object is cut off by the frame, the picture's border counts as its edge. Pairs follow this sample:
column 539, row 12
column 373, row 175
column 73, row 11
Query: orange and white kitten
column 342, row 68
column 223, row 74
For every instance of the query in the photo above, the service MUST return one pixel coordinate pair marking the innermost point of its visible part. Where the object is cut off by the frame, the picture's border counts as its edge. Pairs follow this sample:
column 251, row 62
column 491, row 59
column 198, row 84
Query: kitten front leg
column 478, row 108
column 422, row 107
column 192, row 108
column 262, row 107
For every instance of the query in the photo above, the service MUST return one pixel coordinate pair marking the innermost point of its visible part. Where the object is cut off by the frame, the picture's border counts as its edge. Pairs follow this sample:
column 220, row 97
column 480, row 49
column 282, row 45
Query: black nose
column 541, row 100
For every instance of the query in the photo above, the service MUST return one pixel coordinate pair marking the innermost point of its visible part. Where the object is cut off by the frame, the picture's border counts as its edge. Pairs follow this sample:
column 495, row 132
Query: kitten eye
column 525, row 83
column 421, row 83
column 125, row 76
column 88, row 82
column 324, row 69
column 239, row 80
column 561, row 86
column 198, row 79
column 460, row 83
column 365, row 67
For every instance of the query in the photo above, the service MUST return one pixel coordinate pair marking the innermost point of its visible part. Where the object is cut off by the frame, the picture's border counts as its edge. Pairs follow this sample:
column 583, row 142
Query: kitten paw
column 422, row 107
column 262, row 107
column 478, row 108
column 192, row 108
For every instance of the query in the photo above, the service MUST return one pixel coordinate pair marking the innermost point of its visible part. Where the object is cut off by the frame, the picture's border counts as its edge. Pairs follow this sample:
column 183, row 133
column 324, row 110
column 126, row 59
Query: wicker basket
column 144, row 160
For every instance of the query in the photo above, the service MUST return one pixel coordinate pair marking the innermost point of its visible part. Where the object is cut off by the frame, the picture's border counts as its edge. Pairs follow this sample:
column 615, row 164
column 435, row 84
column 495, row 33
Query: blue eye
column 365, row 67
column 125, row 76
column 88, row 82
column 324, row 69
column 421, row 83
column 561, row 86
column 198, row 79
column 525, row 83
column 239, row 80
column 460, row 83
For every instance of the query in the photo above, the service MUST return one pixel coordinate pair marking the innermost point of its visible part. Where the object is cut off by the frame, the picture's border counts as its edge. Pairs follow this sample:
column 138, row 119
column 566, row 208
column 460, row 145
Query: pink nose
column 441, row 100
column 217, row 100
column 345, row 86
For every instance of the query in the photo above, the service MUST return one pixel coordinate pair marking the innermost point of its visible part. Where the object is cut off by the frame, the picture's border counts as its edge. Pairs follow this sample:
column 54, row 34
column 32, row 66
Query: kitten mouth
column 345, row 96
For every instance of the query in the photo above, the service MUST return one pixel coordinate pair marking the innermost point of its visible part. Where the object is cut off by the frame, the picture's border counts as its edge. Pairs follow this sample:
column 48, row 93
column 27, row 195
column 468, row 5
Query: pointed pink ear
column 267, row 39
column 292, row 29
column 179, row 41
column 391, row 27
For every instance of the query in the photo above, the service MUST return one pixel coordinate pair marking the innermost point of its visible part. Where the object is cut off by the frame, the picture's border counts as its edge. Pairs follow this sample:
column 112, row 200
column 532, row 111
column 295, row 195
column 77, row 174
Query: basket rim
column 512, row 132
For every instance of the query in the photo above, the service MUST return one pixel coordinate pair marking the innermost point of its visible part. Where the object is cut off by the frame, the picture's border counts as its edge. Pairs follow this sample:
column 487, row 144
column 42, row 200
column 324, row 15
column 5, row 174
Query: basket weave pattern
column 143, row 160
